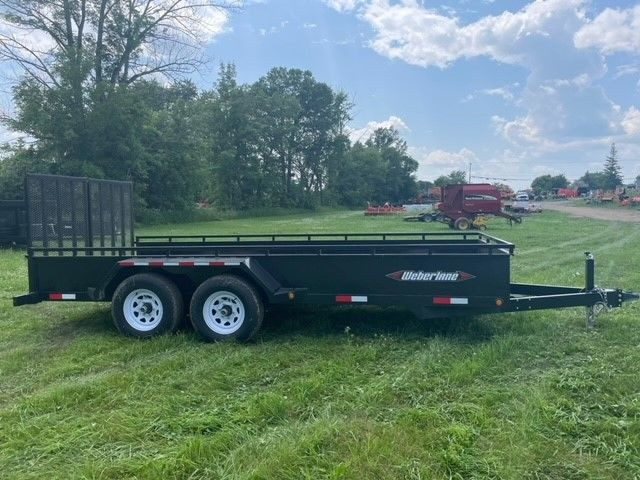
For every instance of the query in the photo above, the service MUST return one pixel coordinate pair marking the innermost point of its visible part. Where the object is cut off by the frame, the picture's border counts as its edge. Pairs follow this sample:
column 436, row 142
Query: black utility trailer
column 82, row 248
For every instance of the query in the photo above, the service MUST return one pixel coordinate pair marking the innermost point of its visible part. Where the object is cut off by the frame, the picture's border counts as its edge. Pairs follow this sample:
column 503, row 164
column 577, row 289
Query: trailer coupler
column 526, row 297
column 610, row 298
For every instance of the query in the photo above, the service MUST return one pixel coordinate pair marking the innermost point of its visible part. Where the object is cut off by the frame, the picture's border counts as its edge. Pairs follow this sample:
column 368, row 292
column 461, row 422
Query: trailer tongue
column 82, row 248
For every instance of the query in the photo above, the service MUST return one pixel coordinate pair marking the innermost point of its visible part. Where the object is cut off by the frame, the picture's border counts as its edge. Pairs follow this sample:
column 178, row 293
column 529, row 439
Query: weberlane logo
column 422, row 276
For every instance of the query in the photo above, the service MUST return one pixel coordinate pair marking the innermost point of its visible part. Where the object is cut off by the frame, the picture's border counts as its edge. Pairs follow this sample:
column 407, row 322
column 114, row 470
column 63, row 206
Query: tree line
column 607, row 179
column 108, row 98
column 281, row 141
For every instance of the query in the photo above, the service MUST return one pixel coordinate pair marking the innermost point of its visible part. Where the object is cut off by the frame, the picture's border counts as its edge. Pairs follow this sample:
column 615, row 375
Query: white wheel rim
column 143, row 310
column 223, row 312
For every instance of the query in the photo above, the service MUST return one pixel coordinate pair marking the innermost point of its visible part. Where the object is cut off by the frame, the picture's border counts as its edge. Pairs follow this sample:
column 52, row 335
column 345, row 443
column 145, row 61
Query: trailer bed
column 418, row 270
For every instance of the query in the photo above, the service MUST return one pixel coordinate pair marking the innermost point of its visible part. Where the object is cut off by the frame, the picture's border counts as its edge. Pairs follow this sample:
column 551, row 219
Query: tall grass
column 350, row 392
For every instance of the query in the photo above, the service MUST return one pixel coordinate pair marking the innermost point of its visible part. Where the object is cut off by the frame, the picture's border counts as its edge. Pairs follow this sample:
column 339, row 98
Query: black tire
column 166, row 293
column 427, row 218
column 244, row 309
column 462, row 223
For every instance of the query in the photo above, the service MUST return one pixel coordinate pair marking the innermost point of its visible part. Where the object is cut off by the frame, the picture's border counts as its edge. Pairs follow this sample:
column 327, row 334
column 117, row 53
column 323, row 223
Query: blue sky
column 516, row 88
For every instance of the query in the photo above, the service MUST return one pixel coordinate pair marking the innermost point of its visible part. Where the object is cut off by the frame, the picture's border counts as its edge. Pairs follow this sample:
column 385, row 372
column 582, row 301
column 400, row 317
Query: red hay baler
column 463, row 206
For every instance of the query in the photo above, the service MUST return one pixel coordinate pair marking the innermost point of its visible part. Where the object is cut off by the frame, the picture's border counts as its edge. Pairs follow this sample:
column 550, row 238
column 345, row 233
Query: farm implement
column 384, row 210
column 81, row 248
column 466, row 207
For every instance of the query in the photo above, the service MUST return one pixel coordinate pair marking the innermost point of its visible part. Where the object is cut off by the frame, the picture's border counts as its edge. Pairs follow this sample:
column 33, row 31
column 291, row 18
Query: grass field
column 359, row 393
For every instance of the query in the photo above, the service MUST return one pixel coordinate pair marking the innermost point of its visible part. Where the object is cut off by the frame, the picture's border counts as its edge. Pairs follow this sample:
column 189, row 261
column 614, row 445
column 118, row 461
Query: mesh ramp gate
column 78, row 216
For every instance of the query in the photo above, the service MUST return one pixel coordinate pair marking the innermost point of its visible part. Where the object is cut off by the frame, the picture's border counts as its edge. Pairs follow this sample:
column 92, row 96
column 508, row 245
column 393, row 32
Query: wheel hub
column 143, row 309
column 223, row 312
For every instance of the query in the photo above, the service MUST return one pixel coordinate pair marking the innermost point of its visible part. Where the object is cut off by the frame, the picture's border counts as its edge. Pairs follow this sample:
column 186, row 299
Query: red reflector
column 343, row 299
column 55, row 296
column 442, row 300
column 156, row 264
column 186, row 264
column 216, row 264
column 127, row 263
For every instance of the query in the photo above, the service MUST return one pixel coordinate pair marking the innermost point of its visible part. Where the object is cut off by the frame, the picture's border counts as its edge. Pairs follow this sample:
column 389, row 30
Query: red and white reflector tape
column 62, row 296
column 351, row 299
column 168, row 263
column 450, row 301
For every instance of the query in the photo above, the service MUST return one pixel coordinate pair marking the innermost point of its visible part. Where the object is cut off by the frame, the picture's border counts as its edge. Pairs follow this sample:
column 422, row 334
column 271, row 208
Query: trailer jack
column 593, row 311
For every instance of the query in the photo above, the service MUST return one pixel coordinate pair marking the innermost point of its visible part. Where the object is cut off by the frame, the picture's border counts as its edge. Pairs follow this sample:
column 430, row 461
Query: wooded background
column 105, row 95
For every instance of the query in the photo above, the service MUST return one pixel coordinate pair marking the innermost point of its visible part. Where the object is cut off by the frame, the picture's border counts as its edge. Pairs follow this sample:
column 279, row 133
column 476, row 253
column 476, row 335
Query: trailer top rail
column 474, row 243
column 390, row 236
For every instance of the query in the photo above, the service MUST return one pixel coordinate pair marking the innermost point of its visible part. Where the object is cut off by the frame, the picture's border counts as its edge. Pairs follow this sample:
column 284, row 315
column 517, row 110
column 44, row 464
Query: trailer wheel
column 462, row 223
column 226, row 307
column 146, row 305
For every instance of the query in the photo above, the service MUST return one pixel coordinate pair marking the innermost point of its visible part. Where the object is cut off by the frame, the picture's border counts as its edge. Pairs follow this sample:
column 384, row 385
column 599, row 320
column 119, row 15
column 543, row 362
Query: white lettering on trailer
column 422, row 276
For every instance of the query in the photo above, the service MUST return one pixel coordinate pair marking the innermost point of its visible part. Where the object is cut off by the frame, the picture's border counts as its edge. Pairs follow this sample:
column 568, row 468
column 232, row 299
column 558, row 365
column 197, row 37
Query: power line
column 503, row 179
column 625, row 178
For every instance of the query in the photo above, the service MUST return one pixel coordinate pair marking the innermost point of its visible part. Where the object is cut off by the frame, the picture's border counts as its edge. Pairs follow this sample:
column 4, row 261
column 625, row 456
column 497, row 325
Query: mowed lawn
column 359, row 393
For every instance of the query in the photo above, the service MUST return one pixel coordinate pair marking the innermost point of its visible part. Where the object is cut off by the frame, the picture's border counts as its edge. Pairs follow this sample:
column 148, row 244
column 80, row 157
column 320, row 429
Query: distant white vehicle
column 525, row 206
column 522, row 197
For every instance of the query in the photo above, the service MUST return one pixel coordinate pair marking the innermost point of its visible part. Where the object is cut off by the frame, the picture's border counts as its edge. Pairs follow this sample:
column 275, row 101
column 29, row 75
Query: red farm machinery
column 465, row 207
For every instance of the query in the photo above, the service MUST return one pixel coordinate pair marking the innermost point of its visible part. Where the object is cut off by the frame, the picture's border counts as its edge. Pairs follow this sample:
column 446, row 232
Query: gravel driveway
column 623, row 214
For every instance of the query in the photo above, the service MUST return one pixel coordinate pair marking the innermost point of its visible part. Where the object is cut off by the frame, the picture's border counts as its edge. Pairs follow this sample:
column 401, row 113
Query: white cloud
column 506, row 92
column 502, row 166
column 631, row 121
column 274, row 28
column 518, row 130
column 363, row 134
column 213, row 23
column 342, row 5
column 612, row 31
column 626, row 69
column 420, row 36
column 433, row 163
column 560, row 101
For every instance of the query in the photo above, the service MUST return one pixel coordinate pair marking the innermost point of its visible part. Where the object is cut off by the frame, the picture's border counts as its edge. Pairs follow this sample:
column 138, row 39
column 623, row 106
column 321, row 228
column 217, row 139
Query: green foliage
column 378, row 171
column 546, row 183
column 592, row 180
column 89, row 108
column 612, row 172
column 609, row 178
column 15, row 162
column 456, row 177
column 279, row 142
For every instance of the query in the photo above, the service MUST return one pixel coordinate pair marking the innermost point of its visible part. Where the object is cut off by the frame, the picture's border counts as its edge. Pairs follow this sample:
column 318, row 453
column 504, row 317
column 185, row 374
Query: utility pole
column 469, row 172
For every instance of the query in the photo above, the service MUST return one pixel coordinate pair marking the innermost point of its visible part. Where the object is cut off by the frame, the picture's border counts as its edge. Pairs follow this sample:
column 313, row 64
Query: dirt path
column 619, row 215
